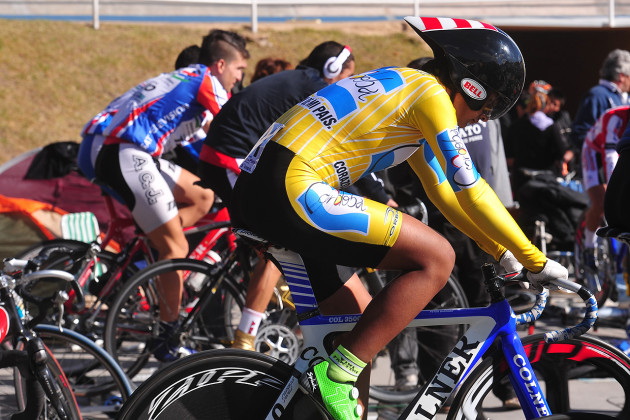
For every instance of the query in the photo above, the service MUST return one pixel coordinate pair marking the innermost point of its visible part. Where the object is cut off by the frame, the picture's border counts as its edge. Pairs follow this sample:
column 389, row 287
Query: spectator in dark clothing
column 536, row 141
column 562, row 119
column 556, row 111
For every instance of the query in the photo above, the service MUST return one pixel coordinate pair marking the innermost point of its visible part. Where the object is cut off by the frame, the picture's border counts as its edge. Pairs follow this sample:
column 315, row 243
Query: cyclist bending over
column 288, row 189
column 599, row 152
column 122, row 145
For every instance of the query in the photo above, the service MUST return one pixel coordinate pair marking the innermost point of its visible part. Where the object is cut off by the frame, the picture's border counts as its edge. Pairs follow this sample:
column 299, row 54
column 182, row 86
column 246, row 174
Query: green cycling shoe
column 339, row 399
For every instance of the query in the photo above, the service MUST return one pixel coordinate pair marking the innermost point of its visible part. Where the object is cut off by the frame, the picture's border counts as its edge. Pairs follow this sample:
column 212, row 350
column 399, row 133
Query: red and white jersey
column 607, row 131
column 602, row 139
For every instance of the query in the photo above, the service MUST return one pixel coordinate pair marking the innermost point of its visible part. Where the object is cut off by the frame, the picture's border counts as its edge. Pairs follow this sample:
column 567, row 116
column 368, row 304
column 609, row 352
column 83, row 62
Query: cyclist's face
column 465, row 115
column 230, row 72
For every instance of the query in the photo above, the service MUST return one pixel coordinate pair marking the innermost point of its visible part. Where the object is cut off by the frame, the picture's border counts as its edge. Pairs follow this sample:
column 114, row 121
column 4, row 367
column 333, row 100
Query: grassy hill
column 55, row 76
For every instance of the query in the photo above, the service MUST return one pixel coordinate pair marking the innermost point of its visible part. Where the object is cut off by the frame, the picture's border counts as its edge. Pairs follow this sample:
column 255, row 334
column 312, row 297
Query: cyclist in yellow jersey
column 288, row 190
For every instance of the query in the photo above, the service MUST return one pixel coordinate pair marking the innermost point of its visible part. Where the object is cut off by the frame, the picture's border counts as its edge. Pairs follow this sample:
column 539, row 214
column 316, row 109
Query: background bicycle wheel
column 99, row 384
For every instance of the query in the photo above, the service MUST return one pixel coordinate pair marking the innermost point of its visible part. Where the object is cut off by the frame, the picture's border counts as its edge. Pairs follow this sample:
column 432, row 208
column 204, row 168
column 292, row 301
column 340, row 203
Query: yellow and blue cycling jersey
column 375, row 120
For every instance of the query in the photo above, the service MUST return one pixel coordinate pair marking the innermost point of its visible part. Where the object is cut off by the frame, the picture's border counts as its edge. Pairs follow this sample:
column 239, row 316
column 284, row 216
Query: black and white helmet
column 485, row 64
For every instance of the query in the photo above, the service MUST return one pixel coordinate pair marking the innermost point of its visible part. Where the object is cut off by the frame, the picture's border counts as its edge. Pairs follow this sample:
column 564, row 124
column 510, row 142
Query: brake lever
column 60, row 298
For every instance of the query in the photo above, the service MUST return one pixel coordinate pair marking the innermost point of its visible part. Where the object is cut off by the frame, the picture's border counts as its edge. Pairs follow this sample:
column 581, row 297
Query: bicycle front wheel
column 16, row 391
column 227, row 384
column 99, row 384
column 133, row 317
column 567, row 371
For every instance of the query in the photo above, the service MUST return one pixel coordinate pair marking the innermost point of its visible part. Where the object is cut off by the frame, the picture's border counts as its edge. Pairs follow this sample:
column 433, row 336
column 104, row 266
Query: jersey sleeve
column 452, row 183
column 207, row 95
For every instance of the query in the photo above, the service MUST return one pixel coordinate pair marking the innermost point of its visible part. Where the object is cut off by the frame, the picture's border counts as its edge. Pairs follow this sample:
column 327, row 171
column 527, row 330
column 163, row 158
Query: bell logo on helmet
column 473, row 89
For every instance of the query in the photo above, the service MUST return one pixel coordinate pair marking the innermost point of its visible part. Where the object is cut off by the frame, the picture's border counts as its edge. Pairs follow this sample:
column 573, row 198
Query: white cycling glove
column 552, row 270
column 509, row 263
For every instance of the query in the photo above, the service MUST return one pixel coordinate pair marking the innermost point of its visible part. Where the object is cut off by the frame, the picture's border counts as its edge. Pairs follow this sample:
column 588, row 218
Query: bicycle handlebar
column 14, row 265
column 534, row 313
column 590, row 316
column 495, row 284
column 42, row 274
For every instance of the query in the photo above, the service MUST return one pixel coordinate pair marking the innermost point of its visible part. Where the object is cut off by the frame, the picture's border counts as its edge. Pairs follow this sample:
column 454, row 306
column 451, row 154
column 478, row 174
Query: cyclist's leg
column 411, row 343
column 147, row 191
column 132, row 320
column 387, row 314
column 428, row 260
column 595, row 212
column 193, row 200
column 170, row 242
column 259, row 292
column 266, row 275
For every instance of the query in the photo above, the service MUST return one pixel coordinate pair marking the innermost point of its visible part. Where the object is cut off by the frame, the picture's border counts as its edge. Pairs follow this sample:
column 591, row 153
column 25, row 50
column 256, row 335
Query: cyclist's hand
column 551, row 271
column 509, row 262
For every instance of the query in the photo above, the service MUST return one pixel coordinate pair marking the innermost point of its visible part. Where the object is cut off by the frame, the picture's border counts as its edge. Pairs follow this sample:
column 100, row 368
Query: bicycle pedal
column 282, row 291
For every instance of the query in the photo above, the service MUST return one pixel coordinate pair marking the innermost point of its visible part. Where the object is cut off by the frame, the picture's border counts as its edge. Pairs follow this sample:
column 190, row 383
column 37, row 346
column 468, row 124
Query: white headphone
column 333, row 65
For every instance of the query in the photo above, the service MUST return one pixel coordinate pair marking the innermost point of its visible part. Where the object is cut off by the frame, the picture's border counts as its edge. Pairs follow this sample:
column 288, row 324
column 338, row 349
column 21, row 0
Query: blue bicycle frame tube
column 522, row 376
column 496, row 320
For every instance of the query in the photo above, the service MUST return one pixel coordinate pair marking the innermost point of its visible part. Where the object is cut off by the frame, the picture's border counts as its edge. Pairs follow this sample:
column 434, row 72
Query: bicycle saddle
column 250, row 237
column 613, row 232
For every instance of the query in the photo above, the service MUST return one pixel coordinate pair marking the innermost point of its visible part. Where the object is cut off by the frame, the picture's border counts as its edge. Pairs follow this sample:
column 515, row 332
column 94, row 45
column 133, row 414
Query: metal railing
column 572, row 13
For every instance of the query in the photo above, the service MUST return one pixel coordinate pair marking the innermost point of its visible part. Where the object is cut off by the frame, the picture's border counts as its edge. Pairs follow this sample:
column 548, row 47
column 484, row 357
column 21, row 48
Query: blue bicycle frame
column 485, row 325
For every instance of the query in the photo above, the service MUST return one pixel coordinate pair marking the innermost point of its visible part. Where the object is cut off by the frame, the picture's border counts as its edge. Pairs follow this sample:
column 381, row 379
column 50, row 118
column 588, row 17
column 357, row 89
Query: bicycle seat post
column 494, row 284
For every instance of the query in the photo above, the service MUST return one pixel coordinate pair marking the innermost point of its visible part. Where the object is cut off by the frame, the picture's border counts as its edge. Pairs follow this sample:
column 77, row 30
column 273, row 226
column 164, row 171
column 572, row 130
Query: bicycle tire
column 560, row 368
column 385, row 392
column 20, row 395
column 100, row 386
column 134, row 314
column 601, row 282
column 230, row 384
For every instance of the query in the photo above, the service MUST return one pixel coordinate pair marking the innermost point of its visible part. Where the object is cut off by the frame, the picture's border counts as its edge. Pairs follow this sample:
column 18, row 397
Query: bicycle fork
column 523, row 379
column 32, row 365
column 37, row 358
